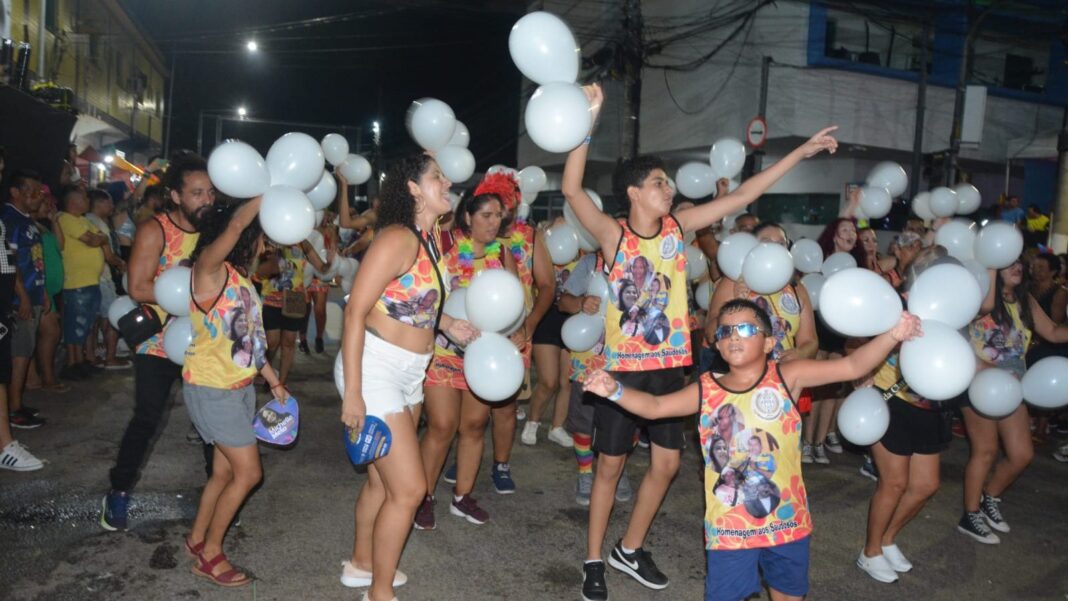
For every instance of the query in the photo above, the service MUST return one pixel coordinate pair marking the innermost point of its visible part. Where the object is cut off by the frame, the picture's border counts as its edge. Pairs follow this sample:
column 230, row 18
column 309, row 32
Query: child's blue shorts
column 735, row 575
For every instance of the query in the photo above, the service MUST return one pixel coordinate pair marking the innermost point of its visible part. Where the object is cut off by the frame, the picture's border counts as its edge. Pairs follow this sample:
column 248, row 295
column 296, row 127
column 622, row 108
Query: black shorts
column 613, row 426
column 274, row 320
column 548, row 330
column 917, row 431
column 580, row 406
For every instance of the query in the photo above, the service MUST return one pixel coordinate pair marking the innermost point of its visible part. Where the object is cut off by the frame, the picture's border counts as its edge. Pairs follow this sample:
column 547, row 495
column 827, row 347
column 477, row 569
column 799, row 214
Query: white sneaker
column 561, row 437
column 354, row 577
column 896, row 559
column 877, row 567
column 520, row 414
column 17, row 458
column 819, row 455
column 529, row 436
column 806, row 453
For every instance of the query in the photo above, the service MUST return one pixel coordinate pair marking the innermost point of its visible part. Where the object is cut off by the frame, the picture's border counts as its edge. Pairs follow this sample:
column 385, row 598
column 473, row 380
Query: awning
column 91, row 131
column 1042, row 145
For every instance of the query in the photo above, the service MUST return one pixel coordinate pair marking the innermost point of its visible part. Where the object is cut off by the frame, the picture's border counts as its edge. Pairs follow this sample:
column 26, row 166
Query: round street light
column 252, row 46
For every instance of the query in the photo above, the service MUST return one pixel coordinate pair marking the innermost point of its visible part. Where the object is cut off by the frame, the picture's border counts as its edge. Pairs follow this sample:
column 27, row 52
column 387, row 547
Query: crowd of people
column 762, row 373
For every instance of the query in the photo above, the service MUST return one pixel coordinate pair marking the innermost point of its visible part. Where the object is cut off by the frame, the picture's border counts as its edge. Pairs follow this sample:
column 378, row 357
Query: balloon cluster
column 962, row 199
column 725, row 160
column 434, row 126
column 493, row 303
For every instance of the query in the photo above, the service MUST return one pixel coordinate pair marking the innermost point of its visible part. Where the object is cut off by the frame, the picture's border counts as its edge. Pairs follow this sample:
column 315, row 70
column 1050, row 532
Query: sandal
column 193, row 551
column 231, row 578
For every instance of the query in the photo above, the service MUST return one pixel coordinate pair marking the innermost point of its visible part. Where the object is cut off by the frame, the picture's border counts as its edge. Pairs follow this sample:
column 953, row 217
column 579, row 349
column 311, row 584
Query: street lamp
column 241, row 111
column 252, row 46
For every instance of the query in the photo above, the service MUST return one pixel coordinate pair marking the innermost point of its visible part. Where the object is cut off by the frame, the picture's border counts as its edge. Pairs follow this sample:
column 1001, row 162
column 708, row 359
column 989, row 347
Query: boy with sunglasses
column 767, row 527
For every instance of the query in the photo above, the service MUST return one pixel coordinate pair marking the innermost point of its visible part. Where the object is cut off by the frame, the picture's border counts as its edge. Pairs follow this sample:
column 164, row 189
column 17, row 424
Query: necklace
column 465, row 252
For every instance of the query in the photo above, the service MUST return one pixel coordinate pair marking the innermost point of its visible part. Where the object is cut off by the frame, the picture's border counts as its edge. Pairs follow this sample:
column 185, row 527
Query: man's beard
column 195, row 217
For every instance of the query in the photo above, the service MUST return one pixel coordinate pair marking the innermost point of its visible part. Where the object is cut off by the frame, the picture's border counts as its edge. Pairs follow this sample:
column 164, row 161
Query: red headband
column 503, row 186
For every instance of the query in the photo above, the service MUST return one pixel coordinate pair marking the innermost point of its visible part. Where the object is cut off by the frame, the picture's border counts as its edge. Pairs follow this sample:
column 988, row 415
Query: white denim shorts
column 392, row 377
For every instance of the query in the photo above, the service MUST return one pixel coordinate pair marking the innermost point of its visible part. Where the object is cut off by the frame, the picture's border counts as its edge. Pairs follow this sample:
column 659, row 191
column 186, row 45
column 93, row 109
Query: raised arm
column 677, row 404
column 209, row 273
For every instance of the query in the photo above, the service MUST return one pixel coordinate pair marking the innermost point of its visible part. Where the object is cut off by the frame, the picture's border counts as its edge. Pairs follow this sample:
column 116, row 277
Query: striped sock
column 583, row 452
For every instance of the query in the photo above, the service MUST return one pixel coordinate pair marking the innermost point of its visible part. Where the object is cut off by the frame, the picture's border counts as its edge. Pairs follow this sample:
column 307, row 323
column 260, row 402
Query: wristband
column 618, row 394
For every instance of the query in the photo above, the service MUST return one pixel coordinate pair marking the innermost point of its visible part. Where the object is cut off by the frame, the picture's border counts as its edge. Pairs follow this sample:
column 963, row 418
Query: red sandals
column 193, row 551
column 230, row 578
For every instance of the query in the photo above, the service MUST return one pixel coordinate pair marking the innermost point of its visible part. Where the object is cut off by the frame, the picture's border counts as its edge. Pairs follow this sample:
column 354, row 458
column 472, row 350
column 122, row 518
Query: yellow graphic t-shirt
column 82, row 264
column 178, row 246
column 784, row 309
column 647, row 323
column 751, row 443
column 291, row 265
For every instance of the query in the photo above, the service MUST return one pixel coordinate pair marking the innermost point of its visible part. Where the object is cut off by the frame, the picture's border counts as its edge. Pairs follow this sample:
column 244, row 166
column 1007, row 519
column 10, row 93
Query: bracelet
column 618, row 394
column 587, row 140
column 282, row 384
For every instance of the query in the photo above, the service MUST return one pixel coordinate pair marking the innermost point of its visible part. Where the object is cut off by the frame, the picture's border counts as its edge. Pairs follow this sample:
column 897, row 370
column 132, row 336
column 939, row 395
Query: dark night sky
column 359, row 61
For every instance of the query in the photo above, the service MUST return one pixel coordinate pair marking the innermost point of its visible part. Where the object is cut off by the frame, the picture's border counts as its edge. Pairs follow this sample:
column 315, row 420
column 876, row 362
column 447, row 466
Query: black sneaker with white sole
column 989, row 507
column 593, row 584
column 639, row 565
column 974, row 525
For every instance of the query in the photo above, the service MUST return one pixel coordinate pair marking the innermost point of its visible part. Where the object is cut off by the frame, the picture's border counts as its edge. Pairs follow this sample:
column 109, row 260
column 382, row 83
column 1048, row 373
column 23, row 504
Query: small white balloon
column 581, row 332
column 324, row 193
column 119, row 308
column 921, row 206
column 995, row 392
column 586, row 240
column 958, row 237
column 980, row 274
column 563, row 244
column 859, row 302
column 295, row 160
column 813, row 283
column 558, row 117
column 237, row 170
column 767, row 268
column 600, row 288
column 947, row 293
column 943, row 202
column 864, row 417
column 875, row 202
column 808, row 256
column 460, row 136
column 286, row 215
column 494, row 300
column 703, row 294
column 177, row 337
column 890, row 176
column 544, row 49
column 732, row 253
column 532, row 179
column 1045, row 384
column 838, row 261
column 335, row 148
column 696, row 263
column 938, row 365
column 493, row 367
column 356, row 169
column 695, row 180
column 968, row 199
column 457, row 163
column 172, row 290
column 455, row 304
column 998, row 245
column 726, row 157
column 431, row 123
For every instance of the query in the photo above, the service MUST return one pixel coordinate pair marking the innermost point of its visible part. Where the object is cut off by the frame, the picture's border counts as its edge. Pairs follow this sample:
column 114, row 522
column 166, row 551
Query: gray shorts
column 580, row 410
column 24, row 341
column 222, row 416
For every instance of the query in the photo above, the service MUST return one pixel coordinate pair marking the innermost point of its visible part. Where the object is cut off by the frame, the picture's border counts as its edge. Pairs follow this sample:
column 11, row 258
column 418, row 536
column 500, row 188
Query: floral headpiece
column 502, row 185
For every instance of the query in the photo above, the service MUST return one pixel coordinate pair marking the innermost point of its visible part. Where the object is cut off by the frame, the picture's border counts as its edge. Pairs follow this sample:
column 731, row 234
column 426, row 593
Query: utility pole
column 762, row 109
column 1059, row 230
column 632, row 58
column 921, row 106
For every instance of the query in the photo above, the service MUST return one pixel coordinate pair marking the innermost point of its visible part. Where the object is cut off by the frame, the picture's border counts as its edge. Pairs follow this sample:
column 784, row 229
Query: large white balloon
column 1045, row 384
column 431, row 123
column 968, row 199
column 457, row 163
column 460, row 135
column 838, row 261
column 938, row 365
column 921, row 206
column 493, row 367
column 494, row 300
column 890, row 176
column 581, row 332
column 732, row 253
column 286, row 215
column 237, row 170
column 695, row 180
column 176, row 339
column 859, row 302
column 875, row 202
column 726, row 157
column 558, row 117
column 172, row 290
column 455, row 304
column 296, row 160
column 864, row 417
column 356, row 169
column 813, row 283
column 587, row 242
column 767, row 268
column 600, row 288
column 335, row 148
column 544, row 49
column 943, row 202
column 980, row 274
column 696, row 263
column 119, row 308
column 995, row 392
column 947, row 293
column 324, row 193
column 807, row 255
column 703, row 295
column 958, row 237
column 532, row 179
column 563, row 244
column 998, row 245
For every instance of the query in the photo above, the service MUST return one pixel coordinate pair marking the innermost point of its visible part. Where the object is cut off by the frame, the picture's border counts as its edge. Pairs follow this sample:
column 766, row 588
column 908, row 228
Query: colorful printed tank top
column 178, row 246
column 229, row 343
column 784, row 309
column 582, row 364
column 647, row 324
column 751, row 444
column 888, row 379
column 413, row 298
column 291, row 265
column 1003, row 346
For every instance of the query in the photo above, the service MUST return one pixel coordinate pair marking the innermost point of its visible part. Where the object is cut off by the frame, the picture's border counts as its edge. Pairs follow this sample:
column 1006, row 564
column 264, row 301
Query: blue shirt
column 1013, row 215
column 24, row 240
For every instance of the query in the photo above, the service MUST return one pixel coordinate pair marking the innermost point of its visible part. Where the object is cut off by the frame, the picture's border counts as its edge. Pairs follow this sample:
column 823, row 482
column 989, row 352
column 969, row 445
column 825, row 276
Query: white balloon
column 767, row 268
column 544, row 49
column 695, row 180
column 875, row 202
column 324, row 193
column 532, row 179
column 317, row 242
column 296, row 160
column 813, row 283
column 995, row 392
column 938, row 365
column 600, row 288
column 119, row 308
column 347, row 267
column 177, row 337
column 286, row 215
column 980, row 274
column 998, row 245
column 563, row 244
column 356, row 169
column 808, row 256
column 518, row 323
column 586, row 240
column 455, row 304
column 864, row 417
column 921, row 206
column 838, row 261
column 703, row 295
column 732, row 253
column 335, row 148
column 494, row 300
column 346, row 286
column 581, row 332
column 319, row 215
column 558, row 117
column 1045, row 384
column 958, row 237
column 493, row 367
column 947, row 293
column 859, row 302
column 943, row 202
column 454, row 201
column 522, row 212
column 968, row 199
column 726, row 157
column 431, row 123
column 460, row 135
column 890, row 176
column 457, row 163
column 237, row 170
column 172, row 290
column 696, row 263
